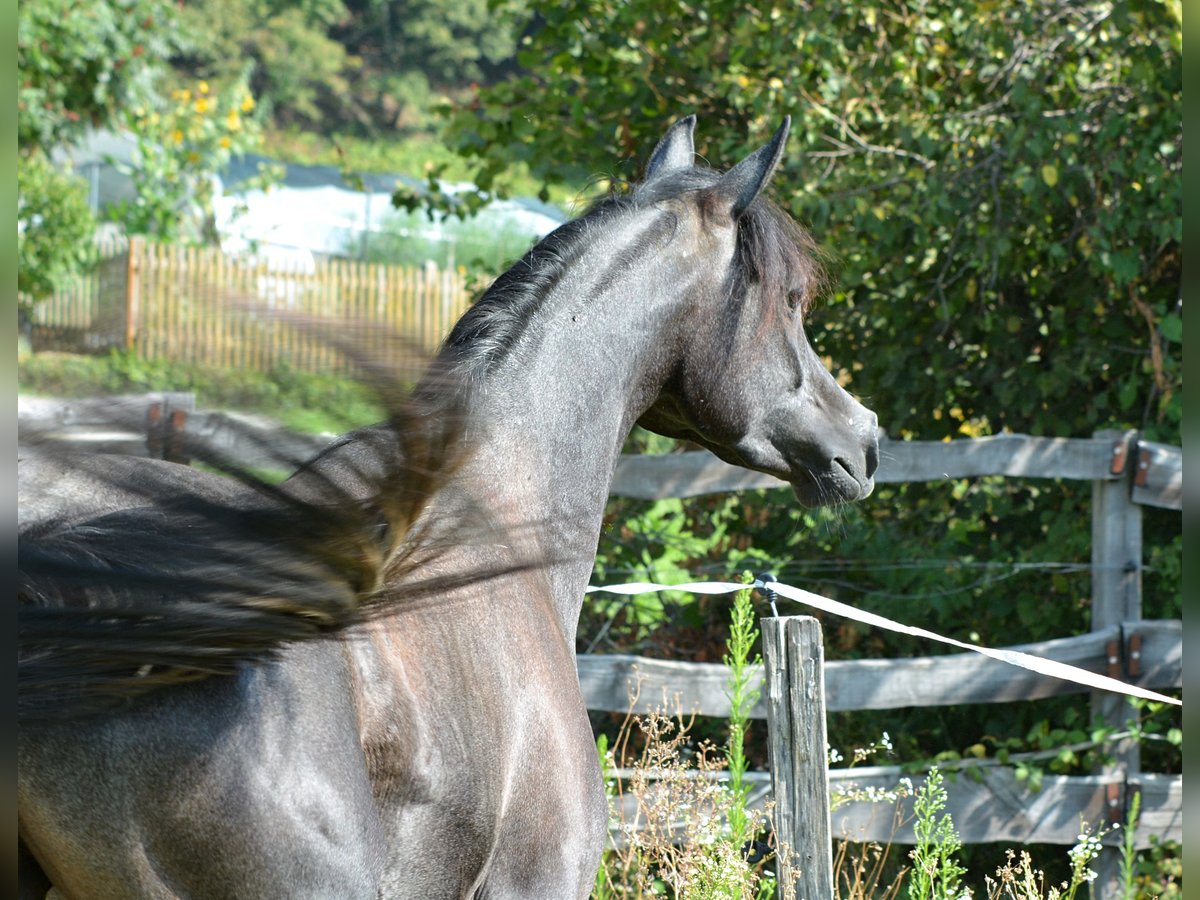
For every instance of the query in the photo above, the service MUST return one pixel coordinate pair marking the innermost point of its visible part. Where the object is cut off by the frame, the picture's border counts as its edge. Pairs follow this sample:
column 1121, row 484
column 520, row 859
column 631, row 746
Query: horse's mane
column 773, row 252
column 489, row 330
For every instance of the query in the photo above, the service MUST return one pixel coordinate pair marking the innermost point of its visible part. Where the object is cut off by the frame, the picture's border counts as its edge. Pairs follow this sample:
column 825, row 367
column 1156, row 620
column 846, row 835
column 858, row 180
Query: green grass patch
column 299, row 400
column 486, row 244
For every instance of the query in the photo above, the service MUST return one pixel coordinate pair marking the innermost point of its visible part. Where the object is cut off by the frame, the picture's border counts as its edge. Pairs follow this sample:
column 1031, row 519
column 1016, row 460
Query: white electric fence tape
column 1012, row 657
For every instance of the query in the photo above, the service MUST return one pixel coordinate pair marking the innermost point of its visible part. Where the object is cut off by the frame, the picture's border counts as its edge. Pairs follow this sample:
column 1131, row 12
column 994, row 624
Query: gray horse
column 325, row 689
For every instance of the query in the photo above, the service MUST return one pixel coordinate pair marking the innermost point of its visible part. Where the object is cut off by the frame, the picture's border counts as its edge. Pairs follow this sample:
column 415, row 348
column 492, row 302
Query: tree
column 182, row 142
column 414, row 50
column 54, row 229
column 79, row 64
column 1001, row 185
column 999, row 190
column 298, row 71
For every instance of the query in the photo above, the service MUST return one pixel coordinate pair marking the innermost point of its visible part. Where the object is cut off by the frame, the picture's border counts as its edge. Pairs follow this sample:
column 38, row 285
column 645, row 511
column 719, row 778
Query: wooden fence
column 1126, row 473
column 200, row 305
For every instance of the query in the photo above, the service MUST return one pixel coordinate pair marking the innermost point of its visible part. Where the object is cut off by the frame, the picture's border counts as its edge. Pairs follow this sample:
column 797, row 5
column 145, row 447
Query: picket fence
column 198, row 305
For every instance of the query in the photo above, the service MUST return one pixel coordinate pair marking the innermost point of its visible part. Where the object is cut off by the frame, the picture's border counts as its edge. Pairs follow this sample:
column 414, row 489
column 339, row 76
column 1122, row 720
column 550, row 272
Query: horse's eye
column 795, row 301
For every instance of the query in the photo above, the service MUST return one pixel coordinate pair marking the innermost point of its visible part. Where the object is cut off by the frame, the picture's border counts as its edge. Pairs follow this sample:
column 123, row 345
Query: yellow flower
column 177, row 136
column 185, row 96
column 233, row 121
column 202, row 105
column 247, row 103
column 225, row 143
column 202, row 87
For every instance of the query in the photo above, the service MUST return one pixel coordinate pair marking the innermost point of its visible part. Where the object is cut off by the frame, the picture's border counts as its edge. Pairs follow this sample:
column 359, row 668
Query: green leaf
column 1171, row 327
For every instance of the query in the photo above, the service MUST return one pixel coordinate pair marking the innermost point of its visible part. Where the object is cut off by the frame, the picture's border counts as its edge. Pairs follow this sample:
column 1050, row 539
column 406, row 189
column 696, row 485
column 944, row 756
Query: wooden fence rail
column 697, row 472
column 608, row 680
column 988, row 805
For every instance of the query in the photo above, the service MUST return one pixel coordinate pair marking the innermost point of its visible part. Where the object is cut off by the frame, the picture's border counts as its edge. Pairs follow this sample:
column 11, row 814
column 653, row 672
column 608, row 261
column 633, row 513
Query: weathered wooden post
column 1116, row 600
column 133, row 289
column 794, row 663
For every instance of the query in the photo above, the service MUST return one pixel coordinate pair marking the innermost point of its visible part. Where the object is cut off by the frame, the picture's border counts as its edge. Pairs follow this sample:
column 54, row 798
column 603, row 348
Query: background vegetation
column 997, row 187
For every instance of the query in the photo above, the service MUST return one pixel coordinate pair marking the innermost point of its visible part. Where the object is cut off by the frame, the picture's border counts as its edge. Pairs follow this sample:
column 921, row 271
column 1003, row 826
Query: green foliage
column 1129, row 854
column 54, row 227
column 1001, row 185
column 1000, row 190
column 80, row 63
column 367, row 65
column 687, row 837
column 1159, row 870
column 742, row 698
column 935, row 873
column 447, row 45
column 182, row 142
column 298, row 69
column 418, row 52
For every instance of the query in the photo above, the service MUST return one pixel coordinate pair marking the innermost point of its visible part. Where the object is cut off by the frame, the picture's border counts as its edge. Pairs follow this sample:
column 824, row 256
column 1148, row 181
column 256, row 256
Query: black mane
column 773, row 252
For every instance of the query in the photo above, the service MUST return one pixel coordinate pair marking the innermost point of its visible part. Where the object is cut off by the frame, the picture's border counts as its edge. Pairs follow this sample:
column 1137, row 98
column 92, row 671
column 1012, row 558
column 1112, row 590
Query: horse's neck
column 556, row 414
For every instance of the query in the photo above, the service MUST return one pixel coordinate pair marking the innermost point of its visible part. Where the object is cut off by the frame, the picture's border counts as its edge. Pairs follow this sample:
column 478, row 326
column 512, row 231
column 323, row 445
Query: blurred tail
column 186, row 578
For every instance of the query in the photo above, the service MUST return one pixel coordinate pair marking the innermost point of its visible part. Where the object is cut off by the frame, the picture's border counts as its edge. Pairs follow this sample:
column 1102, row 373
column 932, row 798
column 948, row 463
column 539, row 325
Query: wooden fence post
column 133, row 289
column 1116, row 599
column 794, row 660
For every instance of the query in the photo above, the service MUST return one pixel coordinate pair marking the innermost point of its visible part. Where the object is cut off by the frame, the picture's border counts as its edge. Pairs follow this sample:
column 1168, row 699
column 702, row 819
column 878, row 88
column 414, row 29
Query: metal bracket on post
column 165, row 437
column 1120, row 456
column 1114, row 807
column 173, row 444
column 154, row 430
column 1133, row 655
column 1143, row 467
column 1112, row 658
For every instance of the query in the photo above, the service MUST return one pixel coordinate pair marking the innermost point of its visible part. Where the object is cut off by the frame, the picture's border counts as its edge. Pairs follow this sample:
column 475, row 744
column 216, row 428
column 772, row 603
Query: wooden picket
column 199, row 305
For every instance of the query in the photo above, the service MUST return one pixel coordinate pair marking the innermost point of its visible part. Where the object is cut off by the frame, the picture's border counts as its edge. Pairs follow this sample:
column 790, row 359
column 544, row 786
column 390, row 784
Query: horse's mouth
column 833, row 485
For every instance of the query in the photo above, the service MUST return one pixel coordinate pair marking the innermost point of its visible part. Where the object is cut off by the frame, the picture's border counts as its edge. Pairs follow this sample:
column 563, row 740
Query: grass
column 299, row 401
column 486, row 244
column 690, row 825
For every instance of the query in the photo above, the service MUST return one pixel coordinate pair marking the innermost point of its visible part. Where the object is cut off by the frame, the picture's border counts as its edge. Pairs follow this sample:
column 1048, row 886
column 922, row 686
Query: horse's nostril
column 872, row 458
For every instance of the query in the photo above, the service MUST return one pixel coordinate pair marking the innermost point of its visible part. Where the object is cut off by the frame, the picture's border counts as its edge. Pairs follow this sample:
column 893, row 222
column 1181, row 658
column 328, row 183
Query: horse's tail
column 193, row 579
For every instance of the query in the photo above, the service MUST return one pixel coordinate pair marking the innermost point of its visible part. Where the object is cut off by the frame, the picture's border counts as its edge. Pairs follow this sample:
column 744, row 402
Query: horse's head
column 745, row 383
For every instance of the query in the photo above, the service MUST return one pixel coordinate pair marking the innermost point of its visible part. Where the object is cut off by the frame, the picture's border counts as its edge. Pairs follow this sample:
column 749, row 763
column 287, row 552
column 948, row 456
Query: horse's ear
column 739, row 187
column 675, row 151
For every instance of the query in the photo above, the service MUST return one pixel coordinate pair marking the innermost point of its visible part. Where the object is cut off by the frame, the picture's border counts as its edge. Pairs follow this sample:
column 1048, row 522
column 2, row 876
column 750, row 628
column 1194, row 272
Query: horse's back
column 64, row 487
